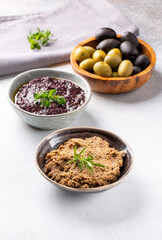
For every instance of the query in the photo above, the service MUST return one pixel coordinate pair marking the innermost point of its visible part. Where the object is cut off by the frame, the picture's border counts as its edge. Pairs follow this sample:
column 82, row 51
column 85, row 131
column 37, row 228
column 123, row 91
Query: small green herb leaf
column 82, row 161
column 32, row 46
column 52, row 92
column 44, row 99
column 97, row 164
column 39, row 38
column 47, row 103
column 35, row 95
column 60, row 100
column 44, row 95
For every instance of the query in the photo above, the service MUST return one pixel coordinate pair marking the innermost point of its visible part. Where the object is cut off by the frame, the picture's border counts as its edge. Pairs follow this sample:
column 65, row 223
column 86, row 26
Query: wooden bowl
column 115, row 84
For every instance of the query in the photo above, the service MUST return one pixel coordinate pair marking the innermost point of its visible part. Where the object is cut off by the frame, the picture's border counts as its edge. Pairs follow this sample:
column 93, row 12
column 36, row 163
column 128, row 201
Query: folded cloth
column 72, row 23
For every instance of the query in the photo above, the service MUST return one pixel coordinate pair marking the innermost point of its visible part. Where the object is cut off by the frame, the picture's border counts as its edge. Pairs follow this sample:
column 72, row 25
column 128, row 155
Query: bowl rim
column 97, row 77
column 87, row 98
column 96, row 189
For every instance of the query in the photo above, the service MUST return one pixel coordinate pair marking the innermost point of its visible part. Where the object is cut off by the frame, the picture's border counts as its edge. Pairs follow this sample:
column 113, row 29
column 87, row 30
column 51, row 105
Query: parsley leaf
column 40, row 38
column 44, row 99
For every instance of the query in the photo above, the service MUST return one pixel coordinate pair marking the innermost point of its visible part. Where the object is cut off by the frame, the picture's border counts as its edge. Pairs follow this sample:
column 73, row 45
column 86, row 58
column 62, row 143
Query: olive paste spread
column 73, row 94
column 59, row 169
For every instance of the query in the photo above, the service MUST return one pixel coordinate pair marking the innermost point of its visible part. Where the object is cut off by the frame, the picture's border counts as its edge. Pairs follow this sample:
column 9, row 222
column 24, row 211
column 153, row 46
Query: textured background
column 31, row 208
column 146, row 13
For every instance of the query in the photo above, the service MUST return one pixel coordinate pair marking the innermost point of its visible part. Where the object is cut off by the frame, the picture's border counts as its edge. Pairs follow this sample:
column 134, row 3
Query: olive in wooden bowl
column 114, row 83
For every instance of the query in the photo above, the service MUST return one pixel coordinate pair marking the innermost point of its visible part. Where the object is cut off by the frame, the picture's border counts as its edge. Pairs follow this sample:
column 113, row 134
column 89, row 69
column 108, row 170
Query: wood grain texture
column 115, row 84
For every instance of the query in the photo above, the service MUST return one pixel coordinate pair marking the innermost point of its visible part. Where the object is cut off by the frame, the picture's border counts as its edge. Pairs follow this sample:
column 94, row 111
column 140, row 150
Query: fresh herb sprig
column 82, row 161
column 40, row 38
column 44, row 99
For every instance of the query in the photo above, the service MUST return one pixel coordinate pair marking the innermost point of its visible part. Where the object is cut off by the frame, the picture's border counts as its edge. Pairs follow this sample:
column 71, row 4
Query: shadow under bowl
column 115, row 84
column 57, row 138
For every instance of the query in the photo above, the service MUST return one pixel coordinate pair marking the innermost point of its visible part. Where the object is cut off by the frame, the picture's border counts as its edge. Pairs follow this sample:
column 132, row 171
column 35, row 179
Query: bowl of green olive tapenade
column 84, row 159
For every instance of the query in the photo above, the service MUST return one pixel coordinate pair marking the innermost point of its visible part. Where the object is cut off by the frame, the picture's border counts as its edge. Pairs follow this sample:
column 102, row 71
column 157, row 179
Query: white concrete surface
column 31, row 208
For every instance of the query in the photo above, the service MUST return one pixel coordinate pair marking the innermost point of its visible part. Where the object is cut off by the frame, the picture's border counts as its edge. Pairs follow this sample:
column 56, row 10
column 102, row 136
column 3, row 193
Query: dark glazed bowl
column 55, row 139
column 115, row 84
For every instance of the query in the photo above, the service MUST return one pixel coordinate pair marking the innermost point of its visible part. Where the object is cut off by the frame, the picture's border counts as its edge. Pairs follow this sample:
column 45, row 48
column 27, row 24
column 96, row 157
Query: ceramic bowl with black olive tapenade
column 47, row 98
column 84, row 159
column 114, row 63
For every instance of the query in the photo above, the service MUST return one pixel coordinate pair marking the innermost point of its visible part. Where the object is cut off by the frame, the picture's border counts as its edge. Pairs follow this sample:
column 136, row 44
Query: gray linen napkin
column 71, row 24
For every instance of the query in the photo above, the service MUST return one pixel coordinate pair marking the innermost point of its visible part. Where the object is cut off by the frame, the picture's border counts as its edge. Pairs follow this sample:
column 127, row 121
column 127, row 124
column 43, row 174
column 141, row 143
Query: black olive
column 107, row 44
column 105, row 33
column 132, row 59
column 128, row 36
column 142, row 61
column 128, row 50
column 136, row 70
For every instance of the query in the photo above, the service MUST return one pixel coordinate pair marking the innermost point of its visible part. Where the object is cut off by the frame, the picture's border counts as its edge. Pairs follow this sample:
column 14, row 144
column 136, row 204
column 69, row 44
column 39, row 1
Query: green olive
column 87, row 64
column 91, row 50
column 113, row 60
column 102, row 69
column 80, row 54
column 115, row 74
column 125, row 68
column 115, row 51
column 99, row 55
